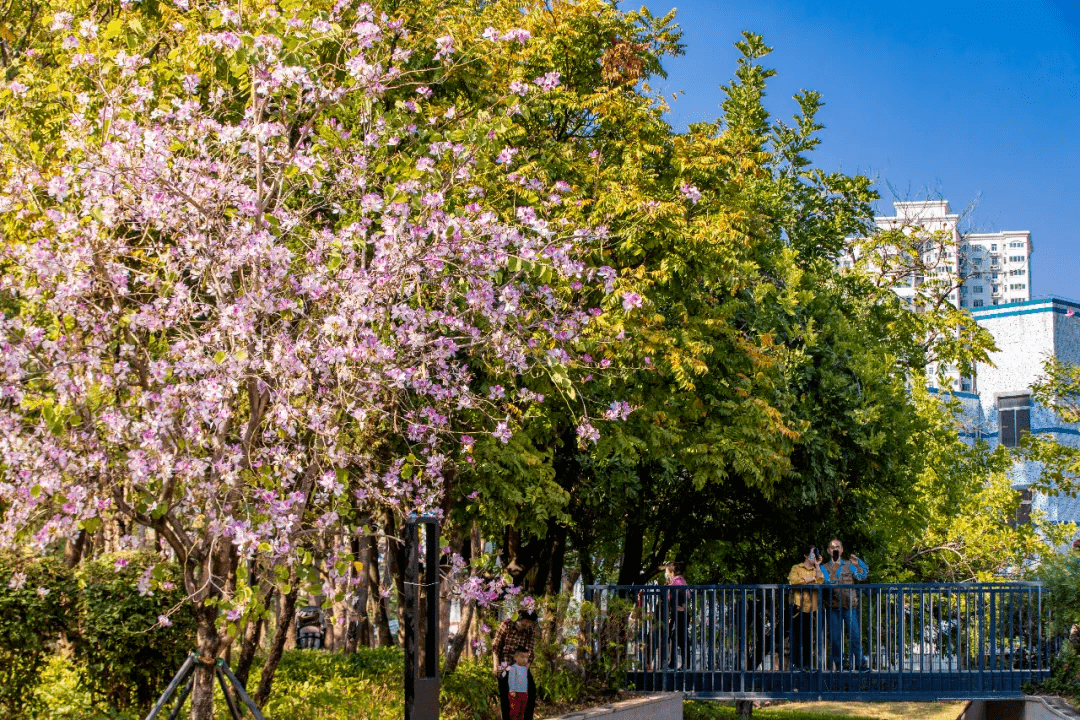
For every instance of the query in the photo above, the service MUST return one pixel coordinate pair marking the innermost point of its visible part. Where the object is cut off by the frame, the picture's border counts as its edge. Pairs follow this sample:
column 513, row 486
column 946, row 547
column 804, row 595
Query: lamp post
column 422, row 683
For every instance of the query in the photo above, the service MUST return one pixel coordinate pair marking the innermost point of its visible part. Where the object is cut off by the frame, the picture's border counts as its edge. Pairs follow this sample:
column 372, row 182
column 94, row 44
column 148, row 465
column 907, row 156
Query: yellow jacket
column 805, row 600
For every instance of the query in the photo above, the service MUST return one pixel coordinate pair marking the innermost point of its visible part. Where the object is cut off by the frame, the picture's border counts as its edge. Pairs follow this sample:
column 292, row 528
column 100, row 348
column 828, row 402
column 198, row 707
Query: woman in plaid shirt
column 512, row 635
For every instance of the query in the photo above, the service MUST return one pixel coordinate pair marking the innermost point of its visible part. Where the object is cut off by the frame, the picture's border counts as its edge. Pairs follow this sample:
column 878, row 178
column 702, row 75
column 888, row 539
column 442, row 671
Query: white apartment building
column 987, row 268
column 996, row 268
column 941, row 252
column 975, row 270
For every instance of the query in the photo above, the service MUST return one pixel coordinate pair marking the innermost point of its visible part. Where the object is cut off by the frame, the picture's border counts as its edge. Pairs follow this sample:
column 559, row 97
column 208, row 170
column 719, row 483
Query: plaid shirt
column 509, row 637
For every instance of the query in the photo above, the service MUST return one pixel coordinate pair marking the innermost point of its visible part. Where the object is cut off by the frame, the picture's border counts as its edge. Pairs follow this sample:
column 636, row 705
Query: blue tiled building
column 1000, row 408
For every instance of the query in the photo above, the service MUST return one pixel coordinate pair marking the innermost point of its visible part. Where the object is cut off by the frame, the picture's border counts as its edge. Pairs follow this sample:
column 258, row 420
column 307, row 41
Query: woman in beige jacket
column 805, row 606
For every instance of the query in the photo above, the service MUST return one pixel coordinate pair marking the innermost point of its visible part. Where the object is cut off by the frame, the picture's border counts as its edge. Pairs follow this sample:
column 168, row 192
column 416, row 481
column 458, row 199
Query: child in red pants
column 517, row 676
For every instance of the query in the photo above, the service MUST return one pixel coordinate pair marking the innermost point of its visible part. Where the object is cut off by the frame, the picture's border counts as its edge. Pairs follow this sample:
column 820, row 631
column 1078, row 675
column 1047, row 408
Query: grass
column 709, row 710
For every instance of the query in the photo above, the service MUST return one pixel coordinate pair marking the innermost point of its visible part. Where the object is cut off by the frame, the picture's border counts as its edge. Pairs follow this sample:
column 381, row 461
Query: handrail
column 872, row 640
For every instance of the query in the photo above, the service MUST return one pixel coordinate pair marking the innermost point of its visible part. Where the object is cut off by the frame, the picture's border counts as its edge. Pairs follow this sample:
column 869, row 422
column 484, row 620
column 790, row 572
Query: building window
column 993, row 247
column 977, row 302
column 963, row 303
column 1023, row 510
column 1014, row 418
column 1016, row 258
column 976, row 288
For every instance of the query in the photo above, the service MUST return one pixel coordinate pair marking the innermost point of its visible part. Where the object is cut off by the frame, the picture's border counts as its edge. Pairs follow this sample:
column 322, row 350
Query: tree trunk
column 519, row 557
column 633, row 550
column 570, row 577
column 744, row 708
column 380, row 616
column 558, row 559
column 460, row 639
column 538, row 586
column 209, row 643
column 204, row 576
column 585, row 566
column 359, row 632
column 396, row 553
column 281, row 632
column 73, row 553
column 252, row 638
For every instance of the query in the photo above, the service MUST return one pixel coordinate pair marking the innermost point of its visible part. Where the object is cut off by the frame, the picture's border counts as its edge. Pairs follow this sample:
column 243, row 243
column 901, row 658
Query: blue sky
column 969, row 100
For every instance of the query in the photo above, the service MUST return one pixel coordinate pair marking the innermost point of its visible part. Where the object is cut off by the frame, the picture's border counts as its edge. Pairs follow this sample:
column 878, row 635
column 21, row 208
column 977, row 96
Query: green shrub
column 125, row 660
column 1061, row 576
column 62, row 695
column 471, row 692
column 606, row 629
column 1064, row 673
column 314, row 685
column 560, row 683
column 37, row 598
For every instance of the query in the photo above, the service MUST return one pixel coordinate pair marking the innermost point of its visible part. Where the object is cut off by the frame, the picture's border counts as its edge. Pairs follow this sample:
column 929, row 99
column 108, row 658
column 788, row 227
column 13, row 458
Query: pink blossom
column 370, row 314
column 506, row 156
column 618, row 410
column 61, row 21
column 548, row 81
column 164, row 621
column 631, row 300
column 445, row 47
column 691, row 193
column 520, row 35
column 191, row 84
column 586, row 432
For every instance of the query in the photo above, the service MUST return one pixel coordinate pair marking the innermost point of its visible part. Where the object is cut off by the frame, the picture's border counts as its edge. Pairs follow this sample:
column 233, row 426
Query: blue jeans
column 838, row 618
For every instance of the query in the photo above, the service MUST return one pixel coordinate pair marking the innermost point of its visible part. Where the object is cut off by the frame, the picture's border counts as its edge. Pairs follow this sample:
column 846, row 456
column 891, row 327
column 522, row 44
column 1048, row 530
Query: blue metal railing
column 871, row 642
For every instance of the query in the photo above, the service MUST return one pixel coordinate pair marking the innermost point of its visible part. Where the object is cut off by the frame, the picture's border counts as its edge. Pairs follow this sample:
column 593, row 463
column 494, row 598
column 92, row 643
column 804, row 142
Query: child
column 517, row 676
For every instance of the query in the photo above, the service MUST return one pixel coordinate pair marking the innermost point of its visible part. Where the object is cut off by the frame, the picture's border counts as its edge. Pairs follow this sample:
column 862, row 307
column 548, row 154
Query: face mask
column 835, row 555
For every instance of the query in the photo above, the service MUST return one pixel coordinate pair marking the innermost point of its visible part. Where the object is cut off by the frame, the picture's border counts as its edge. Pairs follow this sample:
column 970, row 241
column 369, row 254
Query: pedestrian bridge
column 953, row 641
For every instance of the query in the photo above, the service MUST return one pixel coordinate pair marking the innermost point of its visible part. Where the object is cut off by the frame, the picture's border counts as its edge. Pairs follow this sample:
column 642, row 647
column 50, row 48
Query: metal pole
column 421, row 690
column 412, row 572
column 185, row 669
column 431, row 590
column 240, row 691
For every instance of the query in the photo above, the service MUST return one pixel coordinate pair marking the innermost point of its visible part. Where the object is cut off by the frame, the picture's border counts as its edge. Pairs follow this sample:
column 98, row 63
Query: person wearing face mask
column 844, row 606
column 808, row 572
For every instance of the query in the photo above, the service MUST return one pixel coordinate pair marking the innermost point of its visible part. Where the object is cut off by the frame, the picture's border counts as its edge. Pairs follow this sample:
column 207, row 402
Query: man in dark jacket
column 844, row 605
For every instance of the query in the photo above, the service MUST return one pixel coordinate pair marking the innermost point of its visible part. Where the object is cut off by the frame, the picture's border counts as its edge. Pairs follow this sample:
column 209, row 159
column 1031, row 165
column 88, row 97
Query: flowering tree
column 243, row 300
